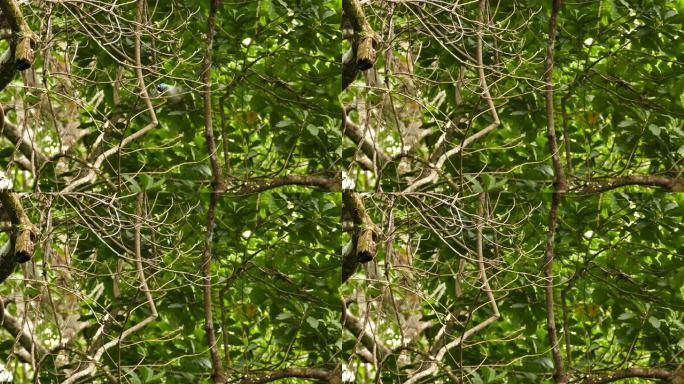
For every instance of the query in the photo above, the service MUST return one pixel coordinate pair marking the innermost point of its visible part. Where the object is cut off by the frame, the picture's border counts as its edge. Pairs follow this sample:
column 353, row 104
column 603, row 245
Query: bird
column 171, row 92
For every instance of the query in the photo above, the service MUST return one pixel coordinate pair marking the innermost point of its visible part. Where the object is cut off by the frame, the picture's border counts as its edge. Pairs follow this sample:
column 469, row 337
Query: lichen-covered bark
column 19, row 55
column 7, row 261
column 20, row 247
column 364, row 42
column 365, row 233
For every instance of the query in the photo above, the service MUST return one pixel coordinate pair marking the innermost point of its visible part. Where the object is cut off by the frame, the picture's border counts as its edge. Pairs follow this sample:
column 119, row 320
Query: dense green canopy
column 366, row 191
column 526, row 164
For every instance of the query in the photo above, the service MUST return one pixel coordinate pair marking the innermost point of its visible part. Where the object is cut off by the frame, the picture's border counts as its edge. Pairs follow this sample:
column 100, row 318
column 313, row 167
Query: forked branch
column 89, row 369
column 434, row 171
column 436, row 358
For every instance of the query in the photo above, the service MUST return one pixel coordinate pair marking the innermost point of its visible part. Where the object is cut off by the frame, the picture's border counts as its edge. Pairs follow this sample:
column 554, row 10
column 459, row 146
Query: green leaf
column 312, row 129
column 654, row 322
column 489, row 374
column 655, row 130
column 475, row 378
column 488, row 182
column 135, row 188
column 313, row 323
column 284, row 123
column 626, row 123
column 133, row 377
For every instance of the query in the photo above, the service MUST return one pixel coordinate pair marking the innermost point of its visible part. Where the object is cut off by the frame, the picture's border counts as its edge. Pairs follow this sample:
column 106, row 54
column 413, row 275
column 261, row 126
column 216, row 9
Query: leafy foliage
column 187, row 224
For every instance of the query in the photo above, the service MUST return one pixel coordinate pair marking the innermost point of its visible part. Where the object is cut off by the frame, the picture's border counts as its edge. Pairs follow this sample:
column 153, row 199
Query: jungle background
column 369, row 191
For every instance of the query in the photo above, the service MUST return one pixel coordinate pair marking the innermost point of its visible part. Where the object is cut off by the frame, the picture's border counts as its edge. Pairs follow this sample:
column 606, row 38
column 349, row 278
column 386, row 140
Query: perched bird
column 171, row 92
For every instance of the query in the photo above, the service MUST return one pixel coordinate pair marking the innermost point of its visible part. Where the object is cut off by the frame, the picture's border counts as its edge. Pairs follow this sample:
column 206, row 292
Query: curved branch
column 96, row 159
column 437, row 357
column 328, row 184
column 666, row 183
column 332, row 377
column 357, row 328
column 357, row 135
column 89, row 370
column 14, row 134
column 434, row 174
column 644, row 373
column 15, row 327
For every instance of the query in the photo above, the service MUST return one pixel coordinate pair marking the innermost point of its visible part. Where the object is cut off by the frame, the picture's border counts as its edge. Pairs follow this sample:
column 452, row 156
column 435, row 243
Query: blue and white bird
column 171, row 92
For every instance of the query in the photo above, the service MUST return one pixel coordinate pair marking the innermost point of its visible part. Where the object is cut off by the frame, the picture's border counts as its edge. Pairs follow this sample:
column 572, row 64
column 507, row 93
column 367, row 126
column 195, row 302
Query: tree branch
column 96, row 159
column 328, row 184
column 89, row 370
column 436, row 358
column 357, row 328
column 15, row 135
column 432, row 176
column 14, row 326
column 331, row 376
column 559, row 188
column 19, row 55
column 364, row 42
column 365, row 232
column 644, row 373
column 217, row 186
column 20, row 247
column 356, row 135
column 666, row 183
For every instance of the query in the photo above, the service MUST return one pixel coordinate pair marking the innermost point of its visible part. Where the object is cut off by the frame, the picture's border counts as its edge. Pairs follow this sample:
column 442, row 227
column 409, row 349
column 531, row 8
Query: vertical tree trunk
column 559, row 188
column 217, row 186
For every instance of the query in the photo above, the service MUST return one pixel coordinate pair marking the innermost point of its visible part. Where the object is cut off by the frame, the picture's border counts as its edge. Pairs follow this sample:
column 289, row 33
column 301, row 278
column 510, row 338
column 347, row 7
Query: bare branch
column 666, row 183
column 328, row 184
column 99, row 159
column 644, row 373
column 89, row 370
column 367, row 339
column 15, row 327
column 14, row 134
column 356, row 135
column 434, row 174
column 333, row 376
column 437, row 358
